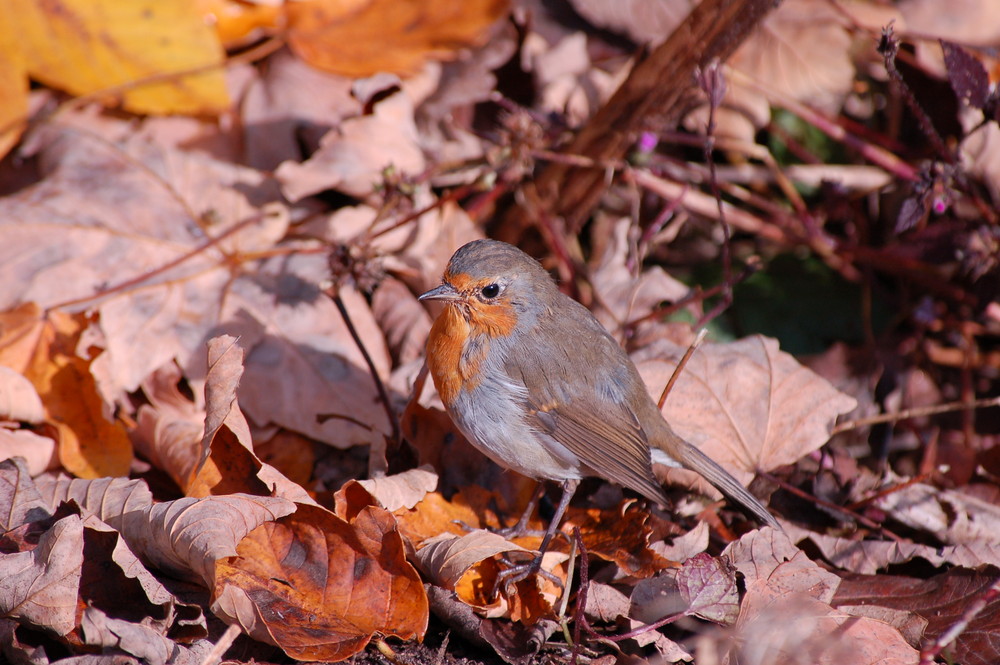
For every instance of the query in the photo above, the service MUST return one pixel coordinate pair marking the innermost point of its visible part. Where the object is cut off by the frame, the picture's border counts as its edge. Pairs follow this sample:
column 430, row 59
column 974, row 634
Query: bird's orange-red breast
column 535, row 382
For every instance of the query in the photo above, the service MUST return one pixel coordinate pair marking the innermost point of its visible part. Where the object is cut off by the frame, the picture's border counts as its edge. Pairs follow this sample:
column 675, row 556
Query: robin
column 535, row 382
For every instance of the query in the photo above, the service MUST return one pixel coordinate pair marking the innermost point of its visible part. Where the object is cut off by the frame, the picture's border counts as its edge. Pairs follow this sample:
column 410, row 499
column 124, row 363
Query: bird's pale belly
column 490, row 418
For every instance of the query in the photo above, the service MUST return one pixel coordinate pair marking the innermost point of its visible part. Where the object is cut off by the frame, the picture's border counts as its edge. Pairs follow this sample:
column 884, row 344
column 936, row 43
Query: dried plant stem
column 846, row 511
column 377, row 464
column 219, row 649
column 919, row 412
column 139, row 280
column 858, row 505
column 699, row 338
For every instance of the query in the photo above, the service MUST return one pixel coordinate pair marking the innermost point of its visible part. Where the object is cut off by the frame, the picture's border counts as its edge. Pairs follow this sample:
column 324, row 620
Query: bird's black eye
column 490, row 291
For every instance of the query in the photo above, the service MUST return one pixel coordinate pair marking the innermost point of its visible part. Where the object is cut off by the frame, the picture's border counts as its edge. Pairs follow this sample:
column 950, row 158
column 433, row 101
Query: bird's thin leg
column 521, row 528
column 511, row 576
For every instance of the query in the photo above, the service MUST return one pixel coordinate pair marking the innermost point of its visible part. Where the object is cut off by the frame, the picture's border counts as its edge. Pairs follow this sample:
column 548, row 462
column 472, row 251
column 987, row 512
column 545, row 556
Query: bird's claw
column 509, row 578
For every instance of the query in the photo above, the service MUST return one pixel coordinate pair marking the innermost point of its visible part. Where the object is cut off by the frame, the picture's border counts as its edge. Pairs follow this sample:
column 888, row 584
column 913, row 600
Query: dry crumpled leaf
column 803, row 51
column 952, row 516
column 135, row 639
column 621, row 535
column 645, row 22
column 185, row 537
column 708, row 586
column 40, row 586
column 364, row 37
column 319, row 586
column 784, row 588
column 623, row 295
column 79, row 561
column 18, row 398
column 352, row 157
column 448, row 558
column 14, row 87
column 402, row 490
column 871, row 556
column 151, row 215
column 44, row 347
column 746, row 404
column 86, row 46
column 38, row 452
column 942, row 600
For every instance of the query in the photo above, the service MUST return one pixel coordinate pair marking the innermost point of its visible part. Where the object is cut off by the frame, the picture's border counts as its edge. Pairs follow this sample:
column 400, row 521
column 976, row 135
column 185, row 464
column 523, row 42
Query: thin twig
column 929, row 653
column 919, row 412
column 144, row 277
column 222, row 645
column 861, row 519
column 375, row 468
column 898, row 487
column 711, row 81
column 699, row 338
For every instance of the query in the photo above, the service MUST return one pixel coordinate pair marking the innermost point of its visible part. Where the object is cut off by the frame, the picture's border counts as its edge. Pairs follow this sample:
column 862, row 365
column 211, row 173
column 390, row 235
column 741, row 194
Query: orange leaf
column 320, row 587
column 91, row 444
column 363, row 37
column 621, row 536
column 236, row 21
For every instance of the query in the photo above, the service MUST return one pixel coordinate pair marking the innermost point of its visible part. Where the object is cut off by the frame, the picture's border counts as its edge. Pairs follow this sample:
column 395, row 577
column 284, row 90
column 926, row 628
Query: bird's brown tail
column 692, row 458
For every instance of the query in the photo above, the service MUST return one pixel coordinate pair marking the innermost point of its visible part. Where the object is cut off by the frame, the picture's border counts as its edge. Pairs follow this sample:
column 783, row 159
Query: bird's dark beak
column 444, row 292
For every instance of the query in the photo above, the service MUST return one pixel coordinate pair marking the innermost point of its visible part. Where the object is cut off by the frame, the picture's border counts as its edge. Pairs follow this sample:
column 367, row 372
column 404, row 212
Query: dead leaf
column 38, row 452
column 18, row 398
column 621, row 535
column 90, row 443
column 767, row 556
column 288, row 107
column 685, row 546
column 403, row 318
column 170, row 428
column 352, row 157
column 114, row 579
column 646, row 22
column 14, row 88
column 363, row 37
column 132, row 638
column 20, row 500
column 84, row 47
column 717, row 404
column 236, row 23
column 952, row 516
column 942, row 600
column 185, row 537
column 871, row 556
column 319, row 587
column 708, row 586
column 808, row 626
column 277, row 306
column 623, row 296
column 447, row 558
column 402, row 490
column 434, row 515
column 40, row 586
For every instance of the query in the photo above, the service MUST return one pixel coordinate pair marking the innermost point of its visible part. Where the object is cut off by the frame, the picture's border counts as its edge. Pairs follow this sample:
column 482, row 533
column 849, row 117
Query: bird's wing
column 585, row 410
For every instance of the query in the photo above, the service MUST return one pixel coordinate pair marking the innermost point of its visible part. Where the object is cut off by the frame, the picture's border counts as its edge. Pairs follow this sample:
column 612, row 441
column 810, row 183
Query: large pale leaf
column 748, row 405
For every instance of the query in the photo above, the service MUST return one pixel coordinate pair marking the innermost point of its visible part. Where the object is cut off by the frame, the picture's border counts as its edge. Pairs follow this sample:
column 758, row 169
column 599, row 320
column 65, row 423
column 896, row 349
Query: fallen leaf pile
column 217, row 440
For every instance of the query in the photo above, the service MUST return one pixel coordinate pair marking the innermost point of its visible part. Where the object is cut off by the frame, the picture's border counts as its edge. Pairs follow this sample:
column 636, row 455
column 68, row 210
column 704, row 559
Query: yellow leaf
column 363, row 37
column 88, row 46
column 13, row 90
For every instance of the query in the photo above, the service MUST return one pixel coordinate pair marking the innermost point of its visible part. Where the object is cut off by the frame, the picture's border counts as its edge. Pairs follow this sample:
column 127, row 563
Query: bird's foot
column 509, row 578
